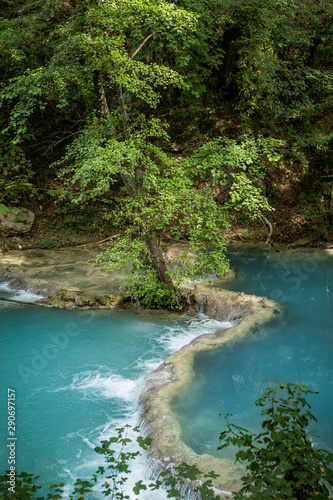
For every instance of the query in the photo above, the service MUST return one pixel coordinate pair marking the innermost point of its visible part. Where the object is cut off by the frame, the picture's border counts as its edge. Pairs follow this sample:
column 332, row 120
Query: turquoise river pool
column 77, row 375
column 296, row 346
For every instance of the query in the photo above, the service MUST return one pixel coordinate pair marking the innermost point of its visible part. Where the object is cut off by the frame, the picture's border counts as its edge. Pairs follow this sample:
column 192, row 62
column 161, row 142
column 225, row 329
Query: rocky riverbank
column 68, row 278
column 65, row 278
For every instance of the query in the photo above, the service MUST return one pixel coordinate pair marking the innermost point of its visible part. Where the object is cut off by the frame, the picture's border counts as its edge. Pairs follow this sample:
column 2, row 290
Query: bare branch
column 139, row 48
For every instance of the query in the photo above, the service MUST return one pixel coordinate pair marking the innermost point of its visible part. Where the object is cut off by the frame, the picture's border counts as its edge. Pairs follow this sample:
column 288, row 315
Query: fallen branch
column 174, row 239
column 267, row 223
column 237, row 233
column 97, row 242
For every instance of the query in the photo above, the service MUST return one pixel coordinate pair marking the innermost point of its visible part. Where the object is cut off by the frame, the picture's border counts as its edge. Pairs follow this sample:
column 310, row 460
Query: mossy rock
column 15, row 220
column 73, row 299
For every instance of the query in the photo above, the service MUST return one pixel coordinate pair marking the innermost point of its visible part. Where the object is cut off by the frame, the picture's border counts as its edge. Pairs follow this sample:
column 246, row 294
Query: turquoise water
column 78, row 374
column 77, row 377
column 297, row 345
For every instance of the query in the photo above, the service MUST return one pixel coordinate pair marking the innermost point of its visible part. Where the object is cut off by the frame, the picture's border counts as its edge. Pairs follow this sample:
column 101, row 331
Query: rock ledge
column 163, row 384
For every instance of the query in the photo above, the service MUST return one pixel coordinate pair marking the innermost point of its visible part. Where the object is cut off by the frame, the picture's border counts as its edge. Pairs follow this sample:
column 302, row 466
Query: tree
column 100, row 60
column 100, row 63
column 33, row 129
column 282, row 460
column 176, row 198
column 95, row 61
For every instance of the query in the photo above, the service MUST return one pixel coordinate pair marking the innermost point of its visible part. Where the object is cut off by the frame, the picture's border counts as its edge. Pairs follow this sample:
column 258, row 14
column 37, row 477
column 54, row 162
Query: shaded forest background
column 239, row 71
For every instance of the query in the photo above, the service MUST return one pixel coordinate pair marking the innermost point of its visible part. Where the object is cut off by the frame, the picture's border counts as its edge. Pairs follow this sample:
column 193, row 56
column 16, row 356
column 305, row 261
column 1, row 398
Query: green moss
column 69, row 300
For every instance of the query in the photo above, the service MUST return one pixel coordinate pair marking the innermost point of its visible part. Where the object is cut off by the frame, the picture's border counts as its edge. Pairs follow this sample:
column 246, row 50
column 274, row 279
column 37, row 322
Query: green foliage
column 200, row 60
column 272, row 59
column 119, row 452
column 168, row 202
column 3, row 209
column 71, row 219
column 118, row 459
column 90, row 86
column 96, row 52
column 282, row 462
column 46, row 243
column 93, row 42
column 142, row 285
column 280, row 66
column 239, row 166
column 26, row 488
column 15, row 171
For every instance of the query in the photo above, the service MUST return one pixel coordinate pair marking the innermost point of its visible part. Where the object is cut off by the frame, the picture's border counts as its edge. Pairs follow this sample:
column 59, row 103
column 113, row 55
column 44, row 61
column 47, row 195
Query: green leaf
column 139, row 486
column 3, row 209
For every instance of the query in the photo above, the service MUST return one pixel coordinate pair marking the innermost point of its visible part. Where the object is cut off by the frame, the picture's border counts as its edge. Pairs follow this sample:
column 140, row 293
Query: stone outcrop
column 16, row 221
column 73, row 298
column 67, row 277
column 176, row 373
column 222, row 305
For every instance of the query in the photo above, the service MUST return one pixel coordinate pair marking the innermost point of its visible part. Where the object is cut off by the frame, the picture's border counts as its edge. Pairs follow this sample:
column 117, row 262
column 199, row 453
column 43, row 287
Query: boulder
column 14, row 221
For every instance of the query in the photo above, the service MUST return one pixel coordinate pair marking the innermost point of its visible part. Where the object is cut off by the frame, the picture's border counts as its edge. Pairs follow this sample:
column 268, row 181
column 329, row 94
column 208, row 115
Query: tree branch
column 139, row 48
column 267, row 223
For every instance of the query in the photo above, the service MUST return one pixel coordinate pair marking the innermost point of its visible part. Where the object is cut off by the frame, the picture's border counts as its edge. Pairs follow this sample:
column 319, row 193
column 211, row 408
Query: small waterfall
column 21, row 296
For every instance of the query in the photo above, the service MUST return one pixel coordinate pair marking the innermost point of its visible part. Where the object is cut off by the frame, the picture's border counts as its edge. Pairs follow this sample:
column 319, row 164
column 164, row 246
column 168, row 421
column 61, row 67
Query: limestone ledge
column 163, row 384
column 73, row 298
column 68, row 278
column 65, row 278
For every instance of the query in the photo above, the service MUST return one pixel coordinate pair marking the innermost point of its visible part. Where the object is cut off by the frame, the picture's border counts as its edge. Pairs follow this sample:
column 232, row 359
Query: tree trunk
column 131, row 184
column 123, row 112
column 100, row 92
column 159, row 262
column 267, row 223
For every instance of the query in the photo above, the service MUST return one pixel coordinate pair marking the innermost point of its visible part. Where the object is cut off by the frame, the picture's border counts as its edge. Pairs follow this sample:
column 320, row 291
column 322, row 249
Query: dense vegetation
column 168, row 120
column 182, row 120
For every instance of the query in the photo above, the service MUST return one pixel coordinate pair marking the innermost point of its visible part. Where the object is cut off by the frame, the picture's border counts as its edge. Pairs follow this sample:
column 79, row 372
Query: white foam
column 89, row 462
column 23, row 295
column 176, row 337
column 103, row 383
column 148, row 365
column 172, row 338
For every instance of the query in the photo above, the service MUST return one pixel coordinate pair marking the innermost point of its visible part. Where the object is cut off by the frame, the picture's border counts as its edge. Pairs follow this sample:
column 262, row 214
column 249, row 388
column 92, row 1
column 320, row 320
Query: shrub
column 281, row 460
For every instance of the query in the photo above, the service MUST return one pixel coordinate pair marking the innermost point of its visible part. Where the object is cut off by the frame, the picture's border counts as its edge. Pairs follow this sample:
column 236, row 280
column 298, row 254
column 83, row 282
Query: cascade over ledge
column 176, row 373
